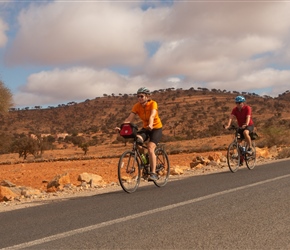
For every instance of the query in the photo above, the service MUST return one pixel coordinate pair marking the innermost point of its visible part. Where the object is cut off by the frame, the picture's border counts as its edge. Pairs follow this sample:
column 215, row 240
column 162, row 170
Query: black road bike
column 131, row 167
column 237, row 152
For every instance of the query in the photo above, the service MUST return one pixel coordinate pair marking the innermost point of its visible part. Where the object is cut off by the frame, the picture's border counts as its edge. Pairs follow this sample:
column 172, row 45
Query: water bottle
column 244, row 149
column 147, row 158
column 143, row 157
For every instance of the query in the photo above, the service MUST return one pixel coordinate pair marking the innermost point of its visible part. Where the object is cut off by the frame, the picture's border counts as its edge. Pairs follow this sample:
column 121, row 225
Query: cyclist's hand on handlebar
column 150, row 127
column 226, row 126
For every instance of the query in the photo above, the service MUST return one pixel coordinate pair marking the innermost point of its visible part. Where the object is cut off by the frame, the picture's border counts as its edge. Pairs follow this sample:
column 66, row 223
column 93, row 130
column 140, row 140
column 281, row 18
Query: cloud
column 3, row 36
column 226, row 45
column 212, row 36
column 220, row 19
column 99, row 34
column 69, row 85
column 76, row 84
column 220, row 45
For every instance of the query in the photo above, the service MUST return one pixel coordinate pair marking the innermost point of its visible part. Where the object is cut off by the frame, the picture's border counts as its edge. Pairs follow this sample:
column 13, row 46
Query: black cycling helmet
column 240, row 99
column 143, row 90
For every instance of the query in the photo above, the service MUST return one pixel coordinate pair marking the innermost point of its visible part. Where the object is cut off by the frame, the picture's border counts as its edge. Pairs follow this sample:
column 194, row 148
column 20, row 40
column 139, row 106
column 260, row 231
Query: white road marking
column 134, row 216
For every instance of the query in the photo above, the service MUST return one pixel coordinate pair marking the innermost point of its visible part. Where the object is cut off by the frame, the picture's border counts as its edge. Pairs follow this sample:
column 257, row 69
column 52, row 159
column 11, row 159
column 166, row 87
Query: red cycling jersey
column 242, row 114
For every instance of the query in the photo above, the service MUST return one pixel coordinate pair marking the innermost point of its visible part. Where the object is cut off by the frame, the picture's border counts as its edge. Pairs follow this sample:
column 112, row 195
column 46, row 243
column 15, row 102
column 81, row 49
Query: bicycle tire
column 162, row 167
column 233, row 157
column 251, row 159
column 129, row 171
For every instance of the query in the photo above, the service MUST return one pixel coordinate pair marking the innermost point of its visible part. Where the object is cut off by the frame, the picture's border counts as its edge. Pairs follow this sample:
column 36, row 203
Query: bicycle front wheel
column 129, row 171
column 233, row 157
column 251, row 159
column 162, row 167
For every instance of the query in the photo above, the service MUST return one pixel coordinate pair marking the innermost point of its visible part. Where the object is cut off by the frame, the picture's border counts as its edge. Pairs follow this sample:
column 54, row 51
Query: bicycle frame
column 237, row 153
column 131, row 166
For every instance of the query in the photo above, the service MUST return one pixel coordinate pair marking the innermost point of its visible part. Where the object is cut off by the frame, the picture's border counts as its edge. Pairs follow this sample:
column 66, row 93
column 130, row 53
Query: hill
column 186, row 114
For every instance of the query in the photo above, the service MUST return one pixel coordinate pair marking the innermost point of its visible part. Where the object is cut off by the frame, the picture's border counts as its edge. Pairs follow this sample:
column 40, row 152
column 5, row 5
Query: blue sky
column 54, row 52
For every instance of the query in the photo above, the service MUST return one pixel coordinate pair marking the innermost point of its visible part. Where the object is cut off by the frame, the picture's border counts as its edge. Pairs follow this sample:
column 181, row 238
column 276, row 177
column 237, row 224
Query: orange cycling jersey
column 145, row 112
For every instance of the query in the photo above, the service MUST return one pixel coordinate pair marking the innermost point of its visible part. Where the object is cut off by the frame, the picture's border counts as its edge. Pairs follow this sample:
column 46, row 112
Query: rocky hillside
column 186, row 114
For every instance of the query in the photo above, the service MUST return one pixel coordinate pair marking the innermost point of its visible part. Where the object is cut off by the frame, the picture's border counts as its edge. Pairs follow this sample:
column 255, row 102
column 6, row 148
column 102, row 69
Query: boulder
column 58, row 182
column 216, row 156
column 176, row 171
column 93, row 179
column 6, row 194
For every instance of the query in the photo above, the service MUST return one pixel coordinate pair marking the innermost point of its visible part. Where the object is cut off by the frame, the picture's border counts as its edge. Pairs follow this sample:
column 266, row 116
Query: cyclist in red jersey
column 243, row 114
column 147, row 110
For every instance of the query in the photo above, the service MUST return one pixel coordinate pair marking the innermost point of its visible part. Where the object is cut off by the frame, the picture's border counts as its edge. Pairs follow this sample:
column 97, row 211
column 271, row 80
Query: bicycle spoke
column 251, row 159
column 233, row 157
column 162, row 167
column 128, row 172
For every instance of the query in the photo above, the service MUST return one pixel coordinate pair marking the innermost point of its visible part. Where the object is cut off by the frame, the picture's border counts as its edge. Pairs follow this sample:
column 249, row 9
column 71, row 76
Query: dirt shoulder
column 110, row 187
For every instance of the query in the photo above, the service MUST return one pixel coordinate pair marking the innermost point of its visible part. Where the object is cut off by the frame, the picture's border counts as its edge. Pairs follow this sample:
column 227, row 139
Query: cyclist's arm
column 248, row 118
column 130, row 118
column 229, row 122
column 151, row 118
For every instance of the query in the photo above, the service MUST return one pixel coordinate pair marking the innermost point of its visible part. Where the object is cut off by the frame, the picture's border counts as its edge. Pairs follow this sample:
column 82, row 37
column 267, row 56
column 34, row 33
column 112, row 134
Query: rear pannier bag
column 254, row 136
column 128, row 130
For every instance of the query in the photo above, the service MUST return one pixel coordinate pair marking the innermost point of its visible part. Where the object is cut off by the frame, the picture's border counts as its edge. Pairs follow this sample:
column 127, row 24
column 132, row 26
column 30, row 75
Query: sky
column 55, row 52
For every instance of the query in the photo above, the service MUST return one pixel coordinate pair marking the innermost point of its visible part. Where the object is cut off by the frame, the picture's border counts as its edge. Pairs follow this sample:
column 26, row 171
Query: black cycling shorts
column 153, row 135
column 241, row 130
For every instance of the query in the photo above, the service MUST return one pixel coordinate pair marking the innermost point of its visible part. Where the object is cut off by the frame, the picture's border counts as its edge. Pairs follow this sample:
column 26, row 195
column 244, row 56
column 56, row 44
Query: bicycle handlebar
column 232, row 127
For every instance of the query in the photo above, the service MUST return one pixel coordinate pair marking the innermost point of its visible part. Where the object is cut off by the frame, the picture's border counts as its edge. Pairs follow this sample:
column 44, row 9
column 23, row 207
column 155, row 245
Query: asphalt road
column 249, row 209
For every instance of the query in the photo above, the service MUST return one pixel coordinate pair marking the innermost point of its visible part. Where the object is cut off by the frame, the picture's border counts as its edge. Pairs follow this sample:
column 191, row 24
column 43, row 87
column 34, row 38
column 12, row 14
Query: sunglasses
column 238, row 102
column 140, row 96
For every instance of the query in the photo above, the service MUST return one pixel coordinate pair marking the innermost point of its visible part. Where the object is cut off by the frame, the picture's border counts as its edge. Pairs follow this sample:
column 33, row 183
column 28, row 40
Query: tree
column 84, row 147
column 5, row 98
column 24, row 146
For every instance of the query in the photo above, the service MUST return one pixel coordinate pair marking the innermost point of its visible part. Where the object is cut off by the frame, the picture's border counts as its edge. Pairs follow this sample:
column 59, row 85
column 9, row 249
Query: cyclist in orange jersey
column 147, row 110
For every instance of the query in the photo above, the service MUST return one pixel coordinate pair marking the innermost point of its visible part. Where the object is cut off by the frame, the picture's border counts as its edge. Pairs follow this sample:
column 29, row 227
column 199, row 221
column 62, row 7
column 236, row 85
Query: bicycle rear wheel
column 162, row 167
column 251, row 159
column 129, row 171
column 233, row 157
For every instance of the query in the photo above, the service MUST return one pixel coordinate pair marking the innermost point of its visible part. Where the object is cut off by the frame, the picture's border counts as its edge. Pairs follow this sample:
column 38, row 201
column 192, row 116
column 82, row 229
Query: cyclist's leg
column 246, row 134
column 240, row 144
column 152, row 159
column 155, row 137
column 142, row 136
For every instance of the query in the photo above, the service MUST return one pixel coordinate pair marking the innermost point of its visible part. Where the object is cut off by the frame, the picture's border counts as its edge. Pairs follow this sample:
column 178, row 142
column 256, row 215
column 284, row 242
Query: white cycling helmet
column 143, row 90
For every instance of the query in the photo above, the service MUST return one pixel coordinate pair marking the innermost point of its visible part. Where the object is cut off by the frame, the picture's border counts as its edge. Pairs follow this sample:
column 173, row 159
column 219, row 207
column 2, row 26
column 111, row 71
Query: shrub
column 274, row 135
column 284, row 153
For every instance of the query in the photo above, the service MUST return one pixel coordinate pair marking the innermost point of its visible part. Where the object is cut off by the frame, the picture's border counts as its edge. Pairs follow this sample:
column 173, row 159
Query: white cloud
column 3, row 36
column 98, row 33
column 69, row 85
column 76, row 84
column 237, row 19
column 226, row 45
column 218, row 44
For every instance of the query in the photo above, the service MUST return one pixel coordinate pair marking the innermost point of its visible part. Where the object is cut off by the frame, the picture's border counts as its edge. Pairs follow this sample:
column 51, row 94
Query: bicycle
column 237, row 152
column 131, row 167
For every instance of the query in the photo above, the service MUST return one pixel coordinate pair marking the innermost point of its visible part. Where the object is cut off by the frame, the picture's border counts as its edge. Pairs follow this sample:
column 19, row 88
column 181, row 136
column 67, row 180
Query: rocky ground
column 34, row 177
